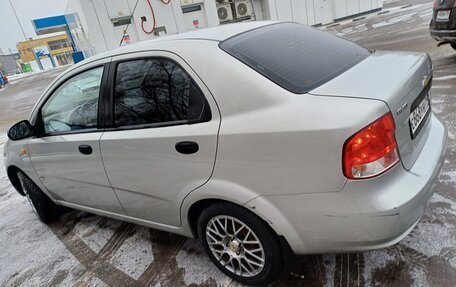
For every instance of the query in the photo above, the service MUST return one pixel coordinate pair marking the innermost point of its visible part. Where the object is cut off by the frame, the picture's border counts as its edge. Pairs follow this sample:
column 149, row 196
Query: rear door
column 66, row 156
column 163, row 136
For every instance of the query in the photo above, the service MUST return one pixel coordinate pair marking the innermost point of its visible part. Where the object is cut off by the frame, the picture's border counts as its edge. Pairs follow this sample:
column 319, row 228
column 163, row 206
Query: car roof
column 218, row 34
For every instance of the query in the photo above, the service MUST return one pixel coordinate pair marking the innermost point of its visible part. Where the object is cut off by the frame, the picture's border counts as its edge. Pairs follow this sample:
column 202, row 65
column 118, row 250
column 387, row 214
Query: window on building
column 59, row 44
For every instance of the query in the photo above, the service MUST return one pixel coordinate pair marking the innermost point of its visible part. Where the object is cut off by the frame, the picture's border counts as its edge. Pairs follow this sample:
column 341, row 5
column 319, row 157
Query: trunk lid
column 440, row 21
column 401, row 80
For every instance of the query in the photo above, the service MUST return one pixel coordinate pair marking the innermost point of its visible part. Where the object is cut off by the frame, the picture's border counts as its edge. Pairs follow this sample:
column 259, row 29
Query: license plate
column 443, row 15
column 418, row 115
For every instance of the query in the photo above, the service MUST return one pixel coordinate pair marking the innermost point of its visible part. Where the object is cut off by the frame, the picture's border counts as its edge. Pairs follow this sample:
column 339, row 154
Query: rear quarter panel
column 273, row 142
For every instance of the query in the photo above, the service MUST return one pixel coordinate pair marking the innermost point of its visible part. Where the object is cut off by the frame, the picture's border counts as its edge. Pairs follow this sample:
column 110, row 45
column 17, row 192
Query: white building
column 106, row 24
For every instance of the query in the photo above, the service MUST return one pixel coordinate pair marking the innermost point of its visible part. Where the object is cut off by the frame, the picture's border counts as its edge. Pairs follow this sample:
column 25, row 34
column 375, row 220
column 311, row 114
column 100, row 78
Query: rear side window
column 296, row 57
column 155, row 91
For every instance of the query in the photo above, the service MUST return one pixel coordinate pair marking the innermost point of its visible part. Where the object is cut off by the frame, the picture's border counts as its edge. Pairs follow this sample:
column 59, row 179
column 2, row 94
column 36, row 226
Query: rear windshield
column 296, row 57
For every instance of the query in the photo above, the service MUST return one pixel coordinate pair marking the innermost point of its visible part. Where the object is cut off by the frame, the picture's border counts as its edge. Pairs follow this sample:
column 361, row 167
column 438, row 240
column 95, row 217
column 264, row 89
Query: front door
column 163, row 138
column 67, row 155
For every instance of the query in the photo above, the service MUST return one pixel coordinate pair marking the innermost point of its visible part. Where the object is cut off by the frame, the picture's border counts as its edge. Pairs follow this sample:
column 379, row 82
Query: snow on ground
column 26, row 243
column 395, row 20
column 330, row 269
column 93, row 234
column 135, row 254
column 198, row 268
column 376, row 260
column 13, row 79
column 37, row 257
column 394, row 16
column 445, row 78
column 88, row 250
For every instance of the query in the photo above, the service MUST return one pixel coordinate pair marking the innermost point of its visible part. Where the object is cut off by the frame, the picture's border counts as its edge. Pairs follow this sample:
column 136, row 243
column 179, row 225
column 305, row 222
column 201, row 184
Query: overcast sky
column 10, row 32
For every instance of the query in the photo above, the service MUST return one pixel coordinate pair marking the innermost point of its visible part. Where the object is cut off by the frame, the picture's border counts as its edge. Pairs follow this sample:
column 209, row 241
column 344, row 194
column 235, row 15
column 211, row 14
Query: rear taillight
column 372, row 150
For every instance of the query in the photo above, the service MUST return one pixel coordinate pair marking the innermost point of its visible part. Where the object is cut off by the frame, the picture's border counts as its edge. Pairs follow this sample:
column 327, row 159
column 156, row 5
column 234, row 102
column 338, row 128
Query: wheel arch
column 263, row 207
column 197, row 208
column 219, row 190
column 14, row 179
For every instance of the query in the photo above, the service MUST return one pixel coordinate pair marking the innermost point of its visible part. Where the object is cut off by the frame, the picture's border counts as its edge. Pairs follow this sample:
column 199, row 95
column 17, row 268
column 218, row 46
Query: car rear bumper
column 443, row 35
column 366, row 214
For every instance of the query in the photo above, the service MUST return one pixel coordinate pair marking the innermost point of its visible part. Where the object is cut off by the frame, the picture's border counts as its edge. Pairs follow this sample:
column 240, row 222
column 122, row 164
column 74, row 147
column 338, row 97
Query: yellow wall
column 26, row 48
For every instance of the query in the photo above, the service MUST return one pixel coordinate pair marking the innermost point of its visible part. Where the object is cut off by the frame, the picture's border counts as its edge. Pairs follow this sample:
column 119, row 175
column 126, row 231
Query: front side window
column 74, row 105
column 154, row 91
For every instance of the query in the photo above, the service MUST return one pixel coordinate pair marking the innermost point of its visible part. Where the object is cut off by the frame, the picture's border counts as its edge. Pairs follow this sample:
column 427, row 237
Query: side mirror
column 21, row 130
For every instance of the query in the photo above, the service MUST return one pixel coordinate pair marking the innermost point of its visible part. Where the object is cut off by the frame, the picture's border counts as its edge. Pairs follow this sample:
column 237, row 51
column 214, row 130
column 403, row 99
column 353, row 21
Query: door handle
column 85, row 149
column 187, row 147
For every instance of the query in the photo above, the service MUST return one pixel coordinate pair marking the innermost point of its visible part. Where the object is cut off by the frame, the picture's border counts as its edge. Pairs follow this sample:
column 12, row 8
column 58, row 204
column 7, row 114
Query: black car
column 443, row 23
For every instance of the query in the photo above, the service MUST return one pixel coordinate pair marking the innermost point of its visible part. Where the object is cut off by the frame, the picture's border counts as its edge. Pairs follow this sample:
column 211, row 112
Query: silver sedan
column 263, row 139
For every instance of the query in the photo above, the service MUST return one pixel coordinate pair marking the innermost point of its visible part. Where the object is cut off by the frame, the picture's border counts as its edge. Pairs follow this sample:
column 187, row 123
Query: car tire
column 46, row 210
column 261, row 263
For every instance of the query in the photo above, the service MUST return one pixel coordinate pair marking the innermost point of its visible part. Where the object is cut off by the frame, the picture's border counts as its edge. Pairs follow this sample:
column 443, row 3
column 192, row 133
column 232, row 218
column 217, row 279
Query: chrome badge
column 401, row 109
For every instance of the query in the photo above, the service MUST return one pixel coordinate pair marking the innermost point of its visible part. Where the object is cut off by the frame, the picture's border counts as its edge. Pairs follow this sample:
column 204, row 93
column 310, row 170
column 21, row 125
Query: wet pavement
column 87, row 250
column 18, row 98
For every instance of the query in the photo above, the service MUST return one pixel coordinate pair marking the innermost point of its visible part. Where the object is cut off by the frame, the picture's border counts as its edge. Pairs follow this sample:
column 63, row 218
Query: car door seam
column 216, row 145
column 107, row 177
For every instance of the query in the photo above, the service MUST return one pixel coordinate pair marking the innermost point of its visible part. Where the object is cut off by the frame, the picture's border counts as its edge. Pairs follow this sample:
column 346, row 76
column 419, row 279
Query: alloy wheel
column 235, row 246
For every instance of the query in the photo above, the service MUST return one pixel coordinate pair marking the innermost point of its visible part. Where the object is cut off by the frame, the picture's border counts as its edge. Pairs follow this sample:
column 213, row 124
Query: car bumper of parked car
column 444, row 35
column 366, row 214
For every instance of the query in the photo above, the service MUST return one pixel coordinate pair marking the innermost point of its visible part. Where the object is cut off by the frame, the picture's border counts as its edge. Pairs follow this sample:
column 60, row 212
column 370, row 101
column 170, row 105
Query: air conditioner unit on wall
column 190, row 2
column 224, row 12
column 243, row 9
column 186, row 2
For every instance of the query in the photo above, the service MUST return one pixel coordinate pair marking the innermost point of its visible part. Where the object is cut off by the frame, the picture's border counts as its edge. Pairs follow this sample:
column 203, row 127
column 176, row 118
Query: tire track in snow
column 95, row 263
column 349, row 270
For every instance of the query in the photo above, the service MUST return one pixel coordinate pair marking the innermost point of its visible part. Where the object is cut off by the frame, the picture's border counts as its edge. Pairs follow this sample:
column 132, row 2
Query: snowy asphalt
column 87, row 250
